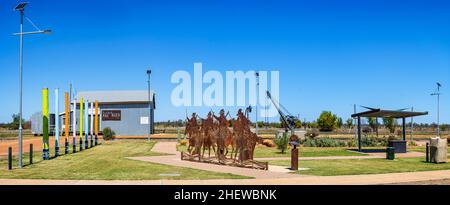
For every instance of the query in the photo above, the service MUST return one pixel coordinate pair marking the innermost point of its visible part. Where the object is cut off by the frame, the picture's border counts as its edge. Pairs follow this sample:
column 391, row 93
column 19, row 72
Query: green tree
column 14, row 125
column 339, row 123
column 298, row 124
column 350, row 123
column 327, row 121
column 390, row 124
column 373, row 124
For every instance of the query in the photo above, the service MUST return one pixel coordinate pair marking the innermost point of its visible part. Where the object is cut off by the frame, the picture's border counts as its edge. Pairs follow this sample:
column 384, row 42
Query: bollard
column 74, row 145
column 86, row 142
column 427, row 152
column 31, row 154
column 66, row 147
column 9, row 158
column 56, row 148
column 81, row 144
column 96, row 140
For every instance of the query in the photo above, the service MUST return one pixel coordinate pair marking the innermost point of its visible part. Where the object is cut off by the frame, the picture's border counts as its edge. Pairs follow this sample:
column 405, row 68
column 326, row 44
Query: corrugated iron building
column 125, row 112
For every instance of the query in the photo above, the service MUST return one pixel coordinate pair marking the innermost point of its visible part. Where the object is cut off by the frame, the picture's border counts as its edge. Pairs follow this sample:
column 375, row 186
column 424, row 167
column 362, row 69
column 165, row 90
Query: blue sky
column 330, row 54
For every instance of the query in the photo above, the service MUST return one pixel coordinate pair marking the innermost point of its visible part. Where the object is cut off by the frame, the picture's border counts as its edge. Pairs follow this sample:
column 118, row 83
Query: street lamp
column 438, row 95
column 149, row 72
column 256, row 104
column 21, row 8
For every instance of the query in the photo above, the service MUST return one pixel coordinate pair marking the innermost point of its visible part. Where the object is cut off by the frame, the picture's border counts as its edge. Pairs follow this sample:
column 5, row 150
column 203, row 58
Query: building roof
column 389, row 113
column 125, row 96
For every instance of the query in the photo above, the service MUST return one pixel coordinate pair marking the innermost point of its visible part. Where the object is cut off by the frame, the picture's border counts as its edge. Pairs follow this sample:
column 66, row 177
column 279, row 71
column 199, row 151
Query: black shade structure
column 379, row 113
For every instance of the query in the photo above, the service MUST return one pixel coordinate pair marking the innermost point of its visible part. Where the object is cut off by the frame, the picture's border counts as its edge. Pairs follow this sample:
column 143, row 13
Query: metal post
column 31, row 154
column 9, row 158
column 150, row 106
column 359, row 134
column 74, row 127
column 256, row 104
column 92, row 124
column 66, row 123
column 404, row 128
column 56, row 123
column 81, row 123
column 45, row 122
column 20, row 89
column 86, row 124
column 438, row 128
column 412, row 125
column 96, row 123
column 427, row 152
column 355, row 122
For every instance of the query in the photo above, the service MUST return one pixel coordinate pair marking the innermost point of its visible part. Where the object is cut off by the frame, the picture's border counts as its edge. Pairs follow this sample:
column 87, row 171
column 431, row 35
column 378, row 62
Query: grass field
column 107, row 162
column 363, row 166
column 266, row 152
column 261, row 152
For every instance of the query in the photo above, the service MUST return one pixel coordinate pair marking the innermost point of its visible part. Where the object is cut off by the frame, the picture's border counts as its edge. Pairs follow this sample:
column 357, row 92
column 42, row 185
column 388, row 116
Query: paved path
column 174, row 159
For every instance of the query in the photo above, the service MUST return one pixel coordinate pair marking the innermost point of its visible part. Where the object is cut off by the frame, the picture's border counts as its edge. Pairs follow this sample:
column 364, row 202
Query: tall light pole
column 149, row 72
column 21, row 8
column 438, row 95
column 256, row 104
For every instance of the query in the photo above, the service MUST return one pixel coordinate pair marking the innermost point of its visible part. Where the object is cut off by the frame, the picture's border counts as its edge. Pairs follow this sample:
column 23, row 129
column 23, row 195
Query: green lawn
column 261, row 152
column 107, row 162
column 421, row 149
column 363, row 166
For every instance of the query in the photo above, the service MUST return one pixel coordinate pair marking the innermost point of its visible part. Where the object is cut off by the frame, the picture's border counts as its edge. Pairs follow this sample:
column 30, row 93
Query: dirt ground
column 36, row 141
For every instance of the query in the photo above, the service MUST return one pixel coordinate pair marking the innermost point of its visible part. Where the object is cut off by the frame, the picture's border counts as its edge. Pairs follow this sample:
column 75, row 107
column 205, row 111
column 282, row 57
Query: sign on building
column 111, row 115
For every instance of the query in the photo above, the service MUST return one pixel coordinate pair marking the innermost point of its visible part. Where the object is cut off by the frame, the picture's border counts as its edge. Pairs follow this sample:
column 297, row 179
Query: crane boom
column 288, row 120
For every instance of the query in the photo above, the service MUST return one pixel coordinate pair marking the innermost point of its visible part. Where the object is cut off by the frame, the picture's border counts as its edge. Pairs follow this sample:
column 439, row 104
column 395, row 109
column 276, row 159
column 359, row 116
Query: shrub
column 312, row 133
column 282, row 142
column 369, row 141
column 269, row 143
column 108, row 134
column 412, row 143
column 323, row 142
column 327, row 121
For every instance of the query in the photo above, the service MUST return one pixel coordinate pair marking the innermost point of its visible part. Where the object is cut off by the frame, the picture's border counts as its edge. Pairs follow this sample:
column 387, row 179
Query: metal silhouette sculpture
column 214, row 134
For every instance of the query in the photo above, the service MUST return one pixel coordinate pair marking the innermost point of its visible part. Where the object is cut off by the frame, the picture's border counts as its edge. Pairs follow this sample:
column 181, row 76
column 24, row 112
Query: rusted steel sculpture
column 214, row 133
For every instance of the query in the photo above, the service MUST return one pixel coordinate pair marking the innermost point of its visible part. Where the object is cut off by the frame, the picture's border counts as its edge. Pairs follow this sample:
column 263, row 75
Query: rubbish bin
column 390, row 153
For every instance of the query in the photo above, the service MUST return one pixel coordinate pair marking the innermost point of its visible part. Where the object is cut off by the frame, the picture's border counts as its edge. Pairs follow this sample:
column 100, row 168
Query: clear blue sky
column 330, row 54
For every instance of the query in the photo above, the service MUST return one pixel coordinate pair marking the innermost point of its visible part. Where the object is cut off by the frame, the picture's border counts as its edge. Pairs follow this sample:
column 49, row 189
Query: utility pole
column 438, row 96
